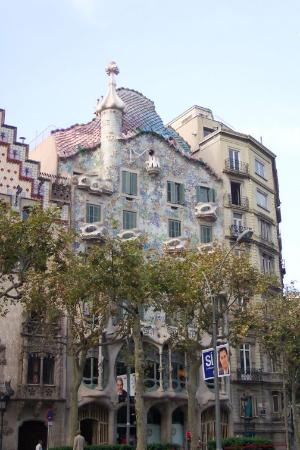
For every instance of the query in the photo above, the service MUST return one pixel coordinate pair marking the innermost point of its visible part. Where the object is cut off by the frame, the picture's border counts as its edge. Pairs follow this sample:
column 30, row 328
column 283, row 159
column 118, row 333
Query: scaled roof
column 139, row 116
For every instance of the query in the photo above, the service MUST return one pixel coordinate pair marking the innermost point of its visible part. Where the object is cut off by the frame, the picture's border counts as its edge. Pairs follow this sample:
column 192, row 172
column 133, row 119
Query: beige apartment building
column 251, row 201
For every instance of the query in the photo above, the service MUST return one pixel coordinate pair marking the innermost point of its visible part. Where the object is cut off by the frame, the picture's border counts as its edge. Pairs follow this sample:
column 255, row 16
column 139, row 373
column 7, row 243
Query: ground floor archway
column 208, row 425
column 94, row 423
column 153, row 426
column 122, row 425
column 30, row 432
column 177, row 433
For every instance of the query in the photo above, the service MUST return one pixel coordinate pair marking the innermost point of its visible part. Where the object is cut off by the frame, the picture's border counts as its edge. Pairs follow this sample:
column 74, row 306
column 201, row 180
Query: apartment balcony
column 206, row 211
column 93, row 231
column 176, row 245
column 236, row 167
column 238, row 202
column 252, row 376
column 236, row 230
column 38, row 392
column 60, row 192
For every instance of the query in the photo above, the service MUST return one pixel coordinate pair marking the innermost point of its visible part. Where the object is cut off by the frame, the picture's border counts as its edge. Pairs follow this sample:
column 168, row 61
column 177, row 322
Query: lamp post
column 244, row 236
column 5, row 393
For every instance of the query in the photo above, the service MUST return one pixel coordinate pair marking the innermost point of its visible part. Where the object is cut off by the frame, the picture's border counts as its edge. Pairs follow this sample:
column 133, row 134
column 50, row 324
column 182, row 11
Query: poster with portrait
column 223, row 360
column 121, row 387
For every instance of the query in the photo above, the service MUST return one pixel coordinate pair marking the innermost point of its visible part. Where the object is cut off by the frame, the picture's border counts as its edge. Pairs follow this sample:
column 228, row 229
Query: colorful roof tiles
column 139, row 116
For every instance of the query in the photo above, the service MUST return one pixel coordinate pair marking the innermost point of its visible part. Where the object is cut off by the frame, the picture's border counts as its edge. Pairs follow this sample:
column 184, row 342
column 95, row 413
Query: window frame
column 129, row 183
column 253, row 406
column 245, row 365
column 265, row 230
column 267, row 263
column 234, row 159
column 258, row 166
column 203, row 230
column 40, row 372
column 261, row 195
column 205, row 194
column 175, row 193
column 88, row 213
column 174, row 222
column 132, row 214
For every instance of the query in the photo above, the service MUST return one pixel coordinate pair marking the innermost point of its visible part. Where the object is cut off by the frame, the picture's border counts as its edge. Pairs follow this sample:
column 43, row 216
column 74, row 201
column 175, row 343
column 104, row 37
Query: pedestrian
column 39, row 445
column 79, row 441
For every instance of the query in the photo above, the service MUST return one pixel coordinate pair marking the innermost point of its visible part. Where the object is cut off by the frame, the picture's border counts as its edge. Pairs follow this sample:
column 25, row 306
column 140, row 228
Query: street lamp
column 5, row 393
column 244, row 236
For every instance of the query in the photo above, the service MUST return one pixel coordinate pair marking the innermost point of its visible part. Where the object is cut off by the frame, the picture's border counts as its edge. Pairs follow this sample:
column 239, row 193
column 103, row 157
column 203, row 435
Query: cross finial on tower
column 112, row 68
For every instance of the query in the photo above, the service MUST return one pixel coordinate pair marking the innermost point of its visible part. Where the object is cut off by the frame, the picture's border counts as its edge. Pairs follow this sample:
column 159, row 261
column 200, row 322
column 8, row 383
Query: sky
column 241, row 58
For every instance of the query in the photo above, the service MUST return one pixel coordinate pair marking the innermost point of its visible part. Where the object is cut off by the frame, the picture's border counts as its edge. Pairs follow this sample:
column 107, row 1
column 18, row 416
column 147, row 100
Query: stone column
column 161, row 387
column 112, row 426
column 166, row 423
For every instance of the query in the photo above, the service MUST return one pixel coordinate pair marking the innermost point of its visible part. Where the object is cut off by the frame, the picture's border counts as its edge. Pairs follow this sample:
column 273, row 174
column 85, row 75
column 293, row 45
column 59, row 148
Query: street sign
column 50, row 415
column 208, row 363
column 223, row 362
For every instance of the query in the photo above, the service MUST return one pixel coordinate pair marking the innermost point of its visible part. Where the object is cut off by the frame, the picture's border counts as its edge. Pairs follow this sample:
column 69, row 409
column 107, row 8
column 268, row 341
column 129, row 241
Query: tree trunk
column 76, row 378
column 141, row 430
column 192, row 370
column 296, row 423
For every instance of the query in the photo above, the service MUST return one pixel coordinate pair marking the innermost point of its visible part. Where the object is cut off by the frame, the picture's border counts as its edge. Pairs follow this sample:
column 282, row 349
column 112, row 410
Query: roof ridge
column 137, row 92
column 57, row 130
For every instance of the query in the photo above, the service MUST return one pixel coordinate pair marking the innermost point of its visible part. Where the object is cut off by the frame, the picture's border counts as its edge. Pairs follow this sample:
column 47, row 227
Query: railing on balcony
column 242, row 202
column 237, row 167
column 251, row 376
column 236, row 230
column 38, row 392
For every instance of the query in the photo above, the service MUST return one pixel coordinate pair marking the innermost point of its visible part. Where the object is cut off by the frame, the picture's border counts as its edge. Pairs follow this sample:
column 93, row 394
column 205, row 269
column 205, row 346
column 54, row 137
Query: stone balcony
column 206, row 211
column 38, row 392
column 93, row 231
column 236, row 167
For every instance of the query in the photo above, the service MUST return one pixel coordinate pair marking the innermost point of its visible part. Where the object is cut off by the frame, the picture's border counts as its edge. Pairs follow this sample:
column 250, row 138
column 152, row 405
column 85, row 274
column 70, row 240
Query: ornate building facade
column 125, row 170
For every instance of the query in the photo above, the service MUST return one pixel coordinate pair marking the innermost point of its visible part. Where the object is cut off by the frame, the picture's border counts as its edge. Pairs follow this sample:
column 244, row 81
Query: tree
column 108, row 283
column 188, row 284
column 27, row 245
column 72, row 289
column 276, row 324
column 127, row 271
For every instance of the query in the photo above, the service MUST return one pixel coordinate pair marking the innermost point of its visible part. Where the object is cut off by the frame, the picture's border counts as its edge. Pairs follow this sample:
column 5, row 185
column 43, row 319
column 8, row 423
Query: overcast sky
column 238, row 57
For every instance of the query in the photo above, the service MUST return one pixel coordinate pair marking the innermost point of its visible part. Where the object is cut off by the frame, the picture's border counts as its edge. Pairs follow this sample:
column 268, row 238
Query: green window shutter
column 171, row 192
column 129, row 220
column 174, row 228
column 198, row 193
column 126, row 182
column 133, row 183
column 181, row 191
column 93, row 213
column 206, row 234
column 211, row 195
